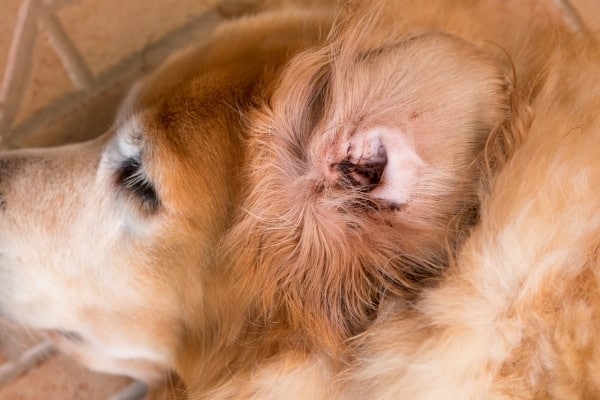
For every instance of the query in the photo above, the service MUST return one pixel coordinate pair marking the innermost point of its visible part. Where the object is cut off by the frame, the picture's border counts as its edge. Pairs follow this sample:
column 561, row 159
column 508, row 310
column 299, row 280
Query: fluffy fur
column 364, row 168
column 358, row 183
column 362, row 179
column 317, row 232
column 516, row 314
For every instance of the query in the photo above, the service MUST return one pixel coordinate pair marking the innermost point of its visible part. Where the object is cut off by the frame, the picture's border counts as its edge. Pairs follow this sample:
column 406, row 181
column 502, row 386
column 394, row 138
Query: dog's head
column 366, row 164
column 109, row 245
column 108, row 242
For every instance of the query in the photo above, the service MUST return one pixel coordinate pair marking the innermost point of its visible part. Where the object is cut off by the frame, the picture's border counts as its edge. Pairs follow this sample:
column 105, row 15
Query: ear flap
column 407, row 122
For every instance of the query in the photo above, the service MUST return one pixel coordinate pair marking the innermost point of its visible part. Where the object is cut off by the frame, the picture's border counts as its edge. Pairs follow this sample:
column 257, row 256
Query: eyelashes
column 131, row 178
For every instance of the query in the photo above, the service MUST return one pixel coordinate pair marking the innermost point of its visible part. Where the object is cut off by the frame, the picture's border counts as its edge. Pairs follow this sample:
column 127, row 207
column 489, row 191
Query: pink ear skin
column 383, row 161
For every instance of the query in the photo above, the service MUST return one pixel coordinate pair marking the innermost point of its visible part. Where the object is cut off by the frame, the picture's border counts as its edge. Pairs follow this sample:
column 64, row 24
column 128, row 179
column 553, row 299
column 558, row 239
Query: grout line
column 135, row 391
column 30, row 358
column 72, row 60
column 127, row 69
column 18, row 64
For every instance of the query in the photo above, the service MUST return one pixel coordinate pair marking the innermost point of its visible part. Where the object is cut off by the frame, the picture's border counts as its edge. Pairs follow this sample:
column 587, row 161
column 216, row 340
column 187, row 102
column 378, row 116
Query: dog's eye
column 131, row 177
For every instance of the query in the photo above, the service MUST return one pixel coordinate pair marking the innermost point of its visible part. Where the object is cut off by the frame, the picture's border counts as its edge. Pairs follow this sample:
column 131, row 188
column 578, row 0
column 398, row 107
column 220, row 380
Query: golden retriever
column 109, row 245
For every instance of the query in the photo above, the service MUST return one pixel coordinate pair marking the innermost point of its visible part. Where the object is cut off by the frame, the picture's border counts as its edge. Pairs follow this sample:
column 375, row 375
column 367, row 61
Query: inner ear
column 364, row 160
column 381, row 161
column 365, row 176
column 426, row 110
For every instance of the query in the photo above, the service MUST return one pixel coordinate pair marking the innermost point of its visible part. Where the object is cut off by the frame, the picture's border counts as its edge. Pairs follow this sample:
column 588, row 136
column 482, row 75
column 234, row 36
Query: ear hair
column 319, row 256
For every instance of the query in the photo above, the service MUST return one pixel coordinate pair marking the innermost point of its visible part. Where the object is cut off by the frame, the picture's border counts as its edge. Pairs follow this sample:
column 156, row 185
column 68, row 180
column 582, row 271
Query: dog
column 313, row 224
column 515, row 315
column 109, row 246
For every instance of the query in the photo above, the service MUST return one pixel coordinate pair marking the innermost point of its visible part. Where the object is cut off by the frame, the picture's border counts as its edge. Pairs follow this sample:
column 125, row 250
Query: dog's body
column 516, row 316
column 110, row 245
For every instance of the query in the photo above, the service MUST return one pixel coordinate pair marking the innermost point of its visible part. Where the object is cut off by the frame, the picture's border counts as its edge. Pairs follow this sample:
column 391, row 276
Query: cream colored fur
column 516, row 314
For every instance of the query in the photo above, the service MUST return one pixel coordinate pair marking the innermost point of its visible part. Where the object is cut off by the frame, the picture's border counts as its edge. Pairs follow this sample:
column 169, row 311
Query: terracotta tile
column 8, row 19
column 61, row 378
column 109, row 43
column 47, row 83
column 107, row 31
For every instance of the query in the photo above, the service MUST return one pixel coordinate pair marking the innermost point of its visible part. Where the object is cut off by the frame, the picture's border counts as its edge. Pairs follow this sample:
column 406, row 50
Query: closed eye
column 131, row 178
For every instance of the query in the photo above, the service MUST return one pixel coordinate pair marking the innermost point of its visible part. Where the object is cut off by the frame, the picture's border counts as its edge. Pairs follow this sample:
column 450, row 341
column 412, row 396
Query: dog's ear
column 361, row 164
column 406, row 121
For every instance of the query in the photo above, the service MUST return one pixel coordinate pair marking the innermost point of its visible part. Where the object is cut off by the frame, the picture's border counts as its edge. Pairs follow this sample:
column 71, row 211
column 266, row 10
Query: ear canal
column 365, row 175
column 363, row 161
column 381, row 161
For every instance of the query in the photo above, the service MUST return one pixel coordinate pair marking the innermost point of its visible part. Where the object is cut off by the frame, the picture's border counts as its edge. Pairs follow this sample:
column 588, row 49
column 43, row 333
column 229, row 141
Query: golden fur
column 324, row 230
column 314, row 241
column 516, row 314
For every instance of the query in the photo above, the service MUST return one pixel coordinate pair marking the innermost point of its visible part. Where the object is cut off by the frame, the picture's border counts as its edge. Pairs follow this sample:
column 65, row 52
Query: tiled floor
column 65, row 63
column 64, row 66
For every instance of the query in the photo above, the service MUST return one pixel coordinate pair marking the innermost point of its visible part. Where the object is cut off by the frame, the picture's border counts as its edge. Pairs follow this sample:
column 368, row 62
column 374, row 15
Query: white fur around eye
column 126, row 144
column 129, row 138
